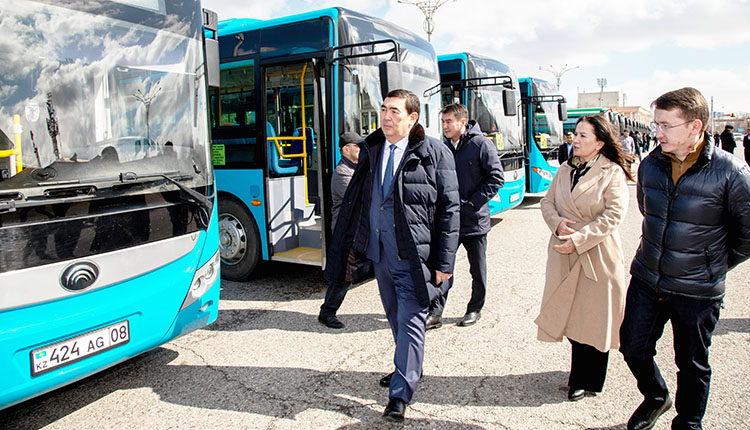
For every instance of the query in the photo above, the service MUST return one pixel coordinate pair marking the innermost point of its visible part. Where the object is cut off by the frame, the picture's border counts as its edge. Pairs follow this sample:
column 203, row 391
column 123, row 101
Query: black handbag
column 358, row 268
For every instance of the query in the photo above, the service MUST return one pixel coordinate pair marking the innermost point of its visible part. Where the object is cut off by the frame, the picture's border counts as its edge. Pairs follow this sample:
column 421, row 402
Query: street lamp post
column 428, row 8
column 602, row 82
column 559, row 72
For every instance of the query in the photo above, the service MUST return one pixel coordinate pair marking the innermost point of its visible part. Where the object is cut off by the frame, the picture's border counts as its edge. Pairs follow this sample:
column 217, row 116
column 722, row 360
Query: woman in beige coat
column 584, row 290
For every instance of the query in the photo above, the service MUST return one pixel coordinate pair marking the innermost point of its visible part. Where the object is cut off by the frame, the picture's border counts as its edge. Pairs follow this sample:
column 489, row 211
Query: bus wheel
column 239, row 241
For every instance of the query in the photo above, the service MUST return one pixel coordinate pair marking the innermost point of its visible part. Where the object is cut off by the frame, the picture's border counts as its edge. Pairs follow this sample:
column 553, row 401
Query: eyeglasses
column 654, row 127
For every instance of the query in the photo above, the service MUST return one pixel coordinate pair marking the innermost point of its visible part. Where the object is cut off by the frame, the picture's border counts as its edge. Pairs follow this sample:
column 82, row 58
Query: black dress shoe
column 385, row 381
column 330, row 321
column 470, row 318
column 433, row 321
column 575, row 394
column 644, row 418
column 395, row 410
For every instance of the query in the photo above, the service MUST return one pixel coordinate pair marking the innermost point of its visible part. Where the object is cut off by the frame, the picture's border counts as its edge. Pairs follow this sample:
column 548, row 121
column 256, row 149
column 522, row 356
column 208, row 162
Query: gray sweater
column 340, row 180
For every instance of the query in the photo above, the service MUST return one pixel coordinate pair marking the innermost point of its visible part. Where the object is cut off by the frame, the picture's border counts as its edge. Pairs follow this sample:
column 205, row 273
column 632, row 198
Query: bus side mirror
column 211, row 47
column 390, row 77
column 212, row 62
column 562, row 111
column 509, row 102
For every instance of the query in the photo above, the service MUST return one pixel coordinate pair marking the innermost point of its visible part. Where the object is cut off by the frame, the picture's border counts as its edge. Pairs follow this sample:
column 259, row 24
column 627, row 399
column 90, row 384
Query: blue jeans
column 693, row 323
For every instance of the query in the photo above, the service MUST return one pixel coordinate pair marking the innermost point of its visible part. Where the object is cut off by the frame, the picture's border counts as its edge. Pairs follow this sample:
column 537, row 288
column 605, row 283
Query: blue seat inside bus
column 309, row 139
column 277, row 164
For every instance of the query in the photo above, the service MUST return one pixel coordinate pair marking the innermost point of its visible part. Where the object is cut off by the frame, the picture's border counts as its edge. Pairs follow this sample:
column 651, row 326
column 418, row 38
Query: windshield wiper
column 199, row 198
column 8, row 202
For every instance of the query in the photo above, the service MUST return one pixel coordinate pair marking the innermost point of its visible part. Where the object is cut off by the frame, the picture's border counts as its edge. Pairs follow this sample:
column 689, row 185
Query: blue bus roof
column 239, row 25
column 457, row 56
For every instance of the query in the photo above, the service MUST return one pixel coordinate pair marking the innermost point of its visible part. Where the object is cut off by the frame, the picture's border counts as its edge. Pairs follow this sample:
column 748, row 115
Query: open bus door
column 295, row 139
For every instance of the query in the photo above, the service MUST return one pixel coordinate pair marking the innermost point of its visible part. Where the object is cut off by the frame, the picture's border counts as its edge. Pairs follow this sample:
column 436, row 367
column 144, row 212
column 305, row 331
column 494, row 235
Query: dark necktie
column 388, row 178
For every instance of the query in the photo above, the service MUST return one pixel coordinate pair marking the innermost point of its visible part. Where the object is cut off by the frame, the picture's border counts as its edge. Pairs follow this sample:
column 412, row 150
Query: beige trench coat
column 584, row 292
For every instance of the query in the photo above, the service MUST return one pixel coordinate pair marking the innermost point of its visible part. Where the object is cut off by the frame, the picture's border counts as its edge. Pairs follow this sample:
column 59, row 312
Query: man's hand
column 567, row 247
column 440, row 277
column 564, row 227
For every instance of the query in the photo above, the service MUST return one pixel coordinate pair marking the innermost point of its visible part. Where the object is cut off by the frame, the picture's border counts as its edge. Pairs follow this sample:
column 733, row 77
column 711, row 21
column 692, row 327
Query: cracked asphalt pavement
column 267, row 363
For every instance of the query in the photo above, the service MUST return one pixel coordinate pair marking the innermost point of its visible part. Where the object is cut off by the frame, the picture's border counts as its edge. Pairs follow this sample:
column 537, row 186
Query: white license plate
column 514, row 197
column 68, row 351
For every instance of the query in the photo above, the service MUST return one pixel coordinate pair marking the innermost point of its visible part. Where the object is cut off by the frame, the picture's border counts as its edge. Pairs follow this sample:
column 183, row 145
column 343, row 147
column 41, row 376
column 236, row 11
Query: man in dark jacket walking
column 746, row 145
column 480, row 175
column 402, row 211
column 349, row 148
column 727, row 139
column 695, row 201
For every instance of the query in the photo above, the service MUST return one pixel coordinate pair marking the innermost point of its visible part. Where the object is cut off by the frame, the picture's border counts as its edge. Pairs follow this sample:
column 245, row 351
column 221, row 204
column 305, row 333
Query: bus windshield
column 89, row 97
column 362, row 95
column 486, row 102
column 546, row 126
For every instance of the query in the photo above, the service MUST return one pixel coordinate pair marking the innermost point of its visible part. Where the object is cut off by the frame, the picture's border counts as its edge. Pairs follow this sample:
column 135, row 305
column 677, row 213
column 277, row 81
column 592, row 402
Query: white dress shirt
column 398, row 154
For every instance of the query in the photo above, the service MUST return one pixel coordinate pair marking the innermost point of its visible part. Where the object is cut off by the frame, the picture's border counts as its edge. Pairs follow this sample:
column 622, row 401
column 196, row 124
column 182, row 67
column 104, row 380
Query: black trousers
column 334, row 297
column 588, row 367
column 693, row 324
column 476, row 253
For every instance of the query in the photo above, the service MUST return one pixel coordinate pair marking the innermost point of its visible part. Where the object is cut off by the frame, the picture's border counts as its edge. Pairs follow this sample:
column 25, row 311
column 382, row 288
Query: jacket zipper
column 672, row 193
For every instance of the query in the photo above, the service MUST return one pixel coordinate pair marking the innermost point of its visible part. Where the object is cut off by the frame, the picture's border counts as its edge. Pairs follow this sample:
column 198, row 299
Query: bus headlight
column 204, row 278
column 545, row 174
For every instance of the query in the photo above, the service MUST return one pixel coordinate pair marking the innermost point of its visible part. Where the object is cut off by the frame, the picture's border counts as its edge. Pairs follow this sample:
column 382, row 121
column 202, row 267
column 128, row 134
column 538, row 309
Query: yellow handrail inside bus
column 277, row 140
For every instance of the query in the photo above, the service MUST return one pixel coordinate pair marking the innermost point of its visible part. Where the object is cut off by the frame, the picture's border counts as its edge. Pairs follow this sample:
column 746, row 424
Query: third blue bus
column 490, row 91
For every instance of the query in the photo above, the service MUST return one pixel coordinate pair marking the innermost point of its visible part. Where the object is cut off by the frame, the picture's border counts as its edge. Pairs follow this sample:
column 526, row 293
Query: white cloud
column 592, row 34
column 728, row 88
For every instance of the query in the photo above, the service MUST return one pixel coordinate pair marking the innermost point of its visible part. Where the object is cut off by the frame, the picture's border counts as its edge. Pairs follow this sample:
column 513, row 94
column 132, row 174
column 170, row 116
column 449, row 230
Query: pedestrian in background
column 402, row 211
column 566, row 149
column 627, row 142
column 480, row 175
column 584, row 290
column 727, row 139
column 696, row 227
column 746, row 145
column 342, row 174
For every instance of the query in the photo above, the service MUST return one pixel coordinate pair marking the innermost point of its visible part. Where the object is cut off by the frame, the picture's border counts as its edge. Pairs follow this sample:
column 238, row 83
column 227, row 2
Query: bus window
column 235, row 136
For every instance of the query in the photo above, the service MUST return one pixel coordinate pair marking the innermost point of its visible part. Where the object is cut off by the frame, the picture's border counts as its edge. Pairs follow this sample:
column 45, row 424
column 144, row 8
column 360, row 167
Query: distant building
column 637, row 113
column 603, row 99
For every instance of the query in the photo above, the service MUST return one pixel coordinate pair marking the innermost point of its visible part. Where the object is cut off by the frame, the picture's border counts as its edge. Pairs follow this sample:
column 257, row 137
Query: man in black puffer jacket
column 480, row 175
column 401, row 211
column 695, row 201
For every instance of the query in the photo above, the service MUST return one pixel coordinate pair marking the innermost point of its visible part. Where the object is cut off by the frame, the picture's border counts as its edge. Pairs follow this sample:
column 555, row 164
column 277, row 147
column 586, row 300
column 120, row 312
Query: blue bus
column 108, row 223
column 620, row 122
column 289, row 87
column 543, row 114
column 490, row 91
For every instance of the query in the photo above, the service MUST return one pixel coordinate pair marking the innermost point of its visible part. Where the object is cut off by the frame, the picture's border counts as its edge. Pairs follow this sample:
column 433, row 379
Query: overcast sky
column 642, row 47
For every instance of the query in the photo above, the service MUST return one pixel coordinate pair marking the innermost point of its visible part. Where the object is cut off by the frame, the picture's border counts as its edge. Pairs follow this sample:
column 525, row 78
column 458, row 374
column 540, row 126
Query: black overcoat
column 426, row 211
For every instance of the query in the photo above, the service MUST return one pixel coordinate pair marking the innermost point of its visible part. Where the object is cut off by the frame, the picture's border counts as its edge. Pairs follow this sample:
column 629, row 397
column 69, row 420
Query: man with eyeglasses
column 694, row 198
column 696, row 227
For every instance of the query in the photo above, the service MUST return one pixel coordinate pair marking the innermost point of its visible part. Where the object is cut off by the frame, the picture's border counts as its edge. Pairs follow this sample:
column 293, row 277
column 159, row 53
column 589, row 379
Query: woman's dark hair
column 612, row 149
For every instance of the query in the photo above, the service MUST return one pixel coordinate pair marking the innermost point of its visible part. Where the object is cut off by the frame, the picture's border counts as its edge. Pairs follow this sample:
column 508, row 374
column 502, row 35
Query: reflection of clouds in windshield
column 492, row 98
column 418, row 64
column 73, row 56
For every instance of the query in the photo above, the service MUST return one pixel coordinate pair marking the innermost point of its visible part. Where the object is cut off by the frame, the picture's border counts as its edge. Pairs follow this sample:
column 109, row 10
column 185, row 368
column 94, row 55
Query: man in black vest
column 696, row 227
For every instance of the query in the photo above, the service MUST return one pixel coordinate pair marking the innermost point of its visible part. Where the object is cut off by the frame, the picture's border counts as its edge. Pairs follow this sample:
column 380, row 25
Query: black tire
column 239, row 241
